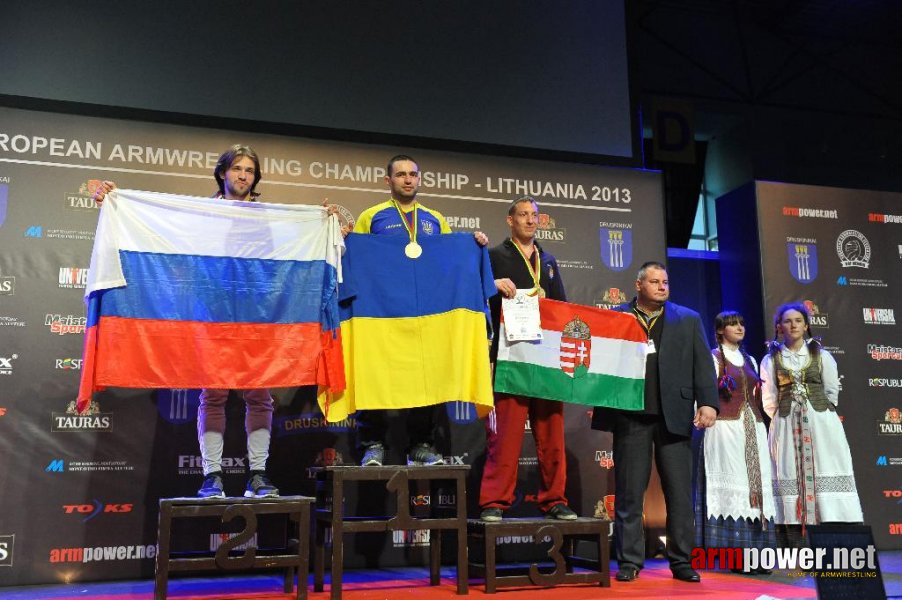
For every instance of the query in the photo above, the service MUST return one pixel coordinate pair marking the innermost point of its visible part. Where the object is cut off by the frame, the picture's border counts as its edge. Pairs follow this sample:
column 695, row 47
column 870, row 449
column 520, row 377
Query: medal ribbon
column 411, row 229
column 534, row 271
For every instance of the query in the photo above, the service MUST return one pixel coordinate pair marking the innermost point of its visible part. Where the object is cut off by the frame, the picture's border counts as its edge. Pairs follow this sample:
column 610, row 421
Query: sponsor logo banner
column 90, row 420
column 802, row 255
column 616, row 241
column 6, row 364
column 7, row 542
column 813, row 213
column 102, row 554
column 880, row 352
column 880, row 218
column 853, row 249
column 891, row 423
column 879, row 316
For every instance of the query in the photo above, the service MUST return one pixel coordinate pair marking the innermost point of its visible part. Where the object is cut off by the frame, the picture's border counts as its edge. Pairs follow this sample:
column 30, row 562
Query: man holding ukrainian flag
column 403, row 215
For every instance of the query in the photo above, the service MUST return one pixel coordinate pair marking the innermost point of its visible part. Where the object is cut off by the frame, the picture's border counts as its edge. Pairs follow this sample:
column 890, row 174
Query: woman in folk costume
column 734, row 500
column 813, row 478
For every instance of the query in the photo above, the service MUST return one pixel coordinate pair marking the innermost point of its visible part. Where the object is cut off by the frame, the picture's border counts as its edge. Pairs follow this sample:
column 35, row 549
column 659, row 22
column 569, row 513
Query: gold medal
column 534, row 271
column 413, row 250
column 541, row 293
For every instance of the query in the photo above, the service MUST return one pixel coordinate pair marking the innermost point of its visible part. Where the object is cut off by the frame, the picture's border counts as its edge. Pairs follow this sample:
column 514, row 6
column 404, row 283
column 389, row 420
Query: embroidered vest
column 812, row 382
column 747, row 390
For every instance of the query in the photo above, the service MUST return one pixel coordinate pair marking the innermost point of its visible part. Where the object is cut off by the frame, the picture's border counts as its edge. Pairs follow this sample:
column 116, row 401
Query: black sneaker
column 424, row 455
column 212, row 487
column 491, row 515
column 373, row 456
column 561, row 512
column 259, row 486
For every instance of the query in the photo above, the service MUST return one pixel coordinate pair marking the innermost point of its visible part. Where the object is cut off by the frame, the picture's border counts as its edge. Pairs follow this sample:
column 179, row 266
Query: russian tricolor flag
column 187, row 292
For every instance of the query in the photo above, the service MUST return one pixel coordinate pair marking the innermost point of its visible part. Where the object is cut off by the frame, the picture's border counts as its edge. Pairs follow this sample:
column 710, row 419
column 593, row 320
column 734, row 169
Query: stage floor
column 655, row 582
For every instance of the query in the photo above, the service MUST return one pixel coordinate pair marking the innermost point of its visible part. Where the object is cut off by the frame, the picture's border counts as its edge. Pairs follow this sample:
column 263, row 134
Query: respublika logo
column 73, row 277
column 68, row 364
column 884, row 382
column 853, row 249
column 817, row 213
column 6, row 364
column 802, row 255
column 616, row 245
column 878, row 218
column 6, row 550
column 879, row 316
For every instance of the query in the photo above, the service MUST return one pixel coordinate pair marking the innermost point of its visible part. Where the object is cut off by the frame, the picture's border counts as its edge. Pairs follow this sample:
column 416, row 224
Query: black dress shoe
column 627, row 573
column 687, row 574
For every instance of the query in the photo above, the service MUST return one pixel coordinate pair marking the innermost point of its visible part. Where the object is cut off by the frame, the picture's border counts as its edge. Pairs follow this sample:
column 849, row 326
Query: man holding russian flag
column 519, row 262
column 237, row 174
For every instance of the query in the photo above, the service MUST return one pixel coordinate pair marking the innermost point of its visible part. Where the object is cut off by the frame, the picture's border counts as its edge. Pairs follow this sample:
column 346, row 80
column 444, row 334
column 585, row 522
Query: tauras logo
column 90, row 420
column 7, row 285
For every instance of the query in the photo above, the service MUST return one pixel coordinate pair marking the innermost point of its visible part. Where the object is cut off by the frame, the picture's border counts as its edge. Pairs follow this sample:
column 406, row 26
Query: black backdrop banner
column 79, row 494
column 840, row 252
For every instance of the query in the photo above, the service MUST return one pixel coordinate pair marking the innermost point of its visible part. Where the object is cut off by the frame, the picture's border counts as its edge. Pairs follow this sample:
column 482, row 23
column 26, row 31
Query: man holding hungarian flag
column 519, row 262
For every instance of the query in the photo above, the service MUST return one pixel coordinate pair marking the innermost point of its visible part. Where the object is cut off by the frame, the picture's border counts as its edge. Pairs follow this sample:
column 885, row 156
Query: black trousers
column 372, row 425
column 635, row 437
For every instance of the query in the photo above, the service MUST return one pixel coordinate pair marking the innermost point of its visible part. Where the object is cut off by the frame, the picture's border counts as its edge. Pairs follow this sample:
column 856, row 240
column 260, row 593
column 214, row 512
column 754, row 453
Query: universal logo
column 548, row 231
column 853, row 249
column 73, row 277
column 83, row 198
column 879, row 316
column 90, row 420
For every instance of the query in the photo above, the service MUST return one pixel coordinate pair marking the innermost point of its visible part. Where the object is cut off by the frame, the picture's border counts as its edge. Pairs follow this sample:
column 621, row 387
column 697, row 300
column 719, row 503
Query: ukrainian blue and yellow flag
column 413, row 330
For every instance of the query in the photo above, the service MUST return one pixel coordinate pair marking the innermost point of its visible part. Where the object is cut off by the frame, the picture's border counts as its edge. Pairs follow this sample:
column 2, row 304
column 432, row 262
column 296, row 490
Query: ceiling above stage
column 830, row 56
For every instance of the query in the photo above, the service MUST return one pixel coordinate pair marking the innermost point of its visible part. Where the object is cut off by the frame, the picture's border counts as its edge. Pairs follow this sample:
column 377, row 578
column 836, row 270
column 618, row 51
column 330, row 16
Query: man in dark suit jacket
column 679, row 375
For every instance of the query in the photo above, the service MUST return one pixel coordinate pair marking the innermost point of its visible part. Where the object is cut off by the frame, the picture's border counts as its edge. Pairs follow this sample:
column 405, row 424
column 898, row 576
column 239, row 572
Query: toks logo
column 92, row 510
column 63, row 325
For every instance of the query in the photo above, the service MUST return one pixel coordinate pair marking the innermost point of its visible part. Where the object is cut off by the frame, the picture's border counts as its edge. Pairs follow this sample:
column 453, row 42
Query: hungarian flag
column 589, row 356
column 189, row 292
